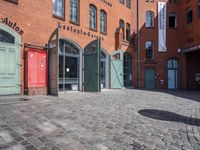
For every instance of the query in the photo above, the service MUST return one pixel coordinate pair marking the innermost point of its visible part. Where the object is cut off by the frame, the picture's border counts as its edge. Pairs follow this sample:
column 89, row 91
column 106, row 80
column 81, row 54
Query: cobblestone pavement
column 110, row 120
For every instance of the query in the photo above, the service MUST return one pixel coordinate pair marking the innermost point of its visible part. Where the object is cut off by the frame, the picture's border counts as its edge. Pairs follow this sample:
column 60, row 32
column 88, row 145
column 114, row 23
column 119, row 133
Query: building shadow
column 169, row 116
column 188, row 95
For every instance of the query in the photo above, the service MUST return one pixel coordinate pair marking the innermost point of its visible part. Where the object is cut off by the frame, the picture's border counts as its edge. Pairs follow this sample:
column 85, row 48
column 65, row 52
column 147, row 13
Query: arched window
column 128, row 32
column 103, row 21
column 149, row 19
column 74, row 11
column 6, row 37
column 121, row 24
column 172, row 20
column 149, row 50
column 199, row 9
column 93, row 17
column 172, row 64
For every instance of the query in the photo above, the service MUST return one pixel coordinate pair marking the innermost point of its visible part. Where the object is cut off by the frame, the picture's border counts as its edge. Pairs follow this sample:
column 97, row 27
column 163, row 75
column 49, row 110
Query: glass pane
column 116, row 56
column 6, row 37
column 70, row 50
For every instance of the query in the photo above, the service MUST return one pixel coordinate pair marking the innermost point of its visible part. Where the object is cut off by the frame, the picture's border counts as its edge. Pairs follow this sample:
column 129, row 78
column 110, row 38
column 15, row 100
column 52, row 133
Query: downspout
column 138, row 43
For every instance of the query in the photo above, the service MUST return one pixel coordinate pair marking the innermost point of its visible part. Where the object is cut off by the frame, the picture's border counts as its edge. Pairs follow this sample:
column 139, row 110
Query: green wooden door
column 150, row 82
column 92, row 67
column 117, row 80
column 9, row 61
column 53, row 63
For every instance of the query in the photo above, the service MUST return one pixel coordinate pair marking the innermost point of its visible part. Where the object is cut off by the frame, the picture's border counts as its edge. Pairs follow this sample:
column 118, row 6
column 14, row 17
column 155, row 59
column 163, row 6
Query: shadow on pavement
column 190, row 95
column 168, row 116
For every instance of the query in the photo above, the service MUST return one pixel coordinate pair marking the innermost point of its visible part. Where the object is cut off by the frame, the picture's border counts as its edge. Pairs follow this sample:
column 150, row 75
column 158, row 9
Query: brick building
column 129, row 54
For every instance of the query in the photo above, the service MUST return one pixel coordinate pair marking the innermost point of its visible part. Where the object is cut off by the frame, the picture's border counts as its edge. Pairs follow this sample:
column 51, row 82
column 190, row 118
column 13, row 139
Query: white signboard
column 162, row 23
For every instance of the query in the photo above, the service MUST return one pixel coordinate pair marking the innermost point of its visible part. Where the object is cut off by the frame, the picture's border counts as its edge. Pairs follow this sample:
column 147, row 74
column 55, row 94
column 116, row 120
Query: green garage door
column 9, row 61
column 92, row 67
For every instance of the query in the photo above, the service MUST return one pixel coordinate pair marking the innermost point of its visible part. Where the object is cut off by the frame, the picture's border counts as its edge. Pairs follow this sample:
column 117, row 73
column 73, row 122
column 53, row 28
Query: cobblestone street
column 110, row 120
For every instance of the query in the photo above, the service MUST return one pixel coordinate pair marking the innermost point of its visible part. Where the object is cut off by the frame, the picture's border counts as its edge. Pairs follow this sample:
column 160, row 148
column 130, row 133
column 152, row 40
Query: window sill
column 95, row 30
column 75, row 23
column 104, row 33
column 58, row 17
column 150, row 61
column 150, row 27
column 12, row 1
column 173, row 28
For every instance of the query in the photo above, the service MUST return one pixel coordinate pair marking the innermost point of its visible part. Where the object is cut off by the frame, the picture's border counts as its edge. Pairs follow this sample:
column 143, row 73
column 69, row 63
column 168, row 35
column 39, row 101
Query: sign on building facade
column 162, row 44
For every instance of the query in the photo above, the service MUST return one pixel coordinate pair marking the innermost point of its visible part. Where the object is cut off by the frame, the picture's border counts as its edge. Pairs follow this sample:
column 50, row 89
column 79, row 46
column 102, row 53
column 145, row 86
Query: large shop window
column 149, row 50
column 103, row 21
column 74, row 11
column 121, row 24
column 172, row 20
column 93, row 17
column 128, row 32
column 149, row 19
column 59, row 8
column 6, row 37
column 189, row 16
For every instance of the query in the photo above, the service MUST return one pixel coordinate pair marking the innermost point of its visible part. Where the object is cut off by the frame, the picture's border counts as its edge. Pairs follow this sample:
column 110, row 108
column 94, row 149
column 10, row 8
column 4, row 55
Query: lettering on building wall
column 80, row 31
column 106, row 2
column 12, row 25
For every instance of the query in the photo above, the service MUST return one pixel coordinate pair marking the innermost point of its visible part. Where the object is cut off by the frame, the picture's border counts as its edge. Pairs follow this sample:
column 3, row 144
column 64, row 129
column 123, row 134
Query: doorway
column 9, row 61
column 172, row 73
column 127, row 70
column 150, row 75
column 69, row 66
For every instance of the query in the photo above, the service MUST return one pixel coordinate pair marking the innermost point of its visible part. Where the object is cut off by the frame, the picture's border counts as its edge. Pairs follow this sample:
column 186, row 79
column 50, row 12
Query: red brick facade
column 36, row 23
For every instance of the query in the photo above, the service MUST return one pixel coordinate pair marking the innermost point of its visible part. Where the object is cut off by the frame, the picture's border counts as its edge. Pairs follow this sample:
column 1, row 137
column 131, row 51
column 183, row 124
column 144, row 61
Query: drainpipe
column 138, row 43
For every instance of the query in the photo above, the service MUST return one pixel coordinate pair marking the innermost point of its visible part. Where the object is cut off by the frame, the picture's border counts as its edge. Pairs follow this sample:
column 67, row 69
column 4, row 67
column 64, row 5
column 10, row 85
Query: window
column 149, row 19
column 74, row 11
column 172, row 20
column 121, row 24
column 121, row 1
column 128, row 32
column 149, row 50
column 93, row 17
column 199, row 9
column 189, row 16
column 58, row 8
column 128, row 3
column 103, row 21
column 6, row 37
column 12, row 1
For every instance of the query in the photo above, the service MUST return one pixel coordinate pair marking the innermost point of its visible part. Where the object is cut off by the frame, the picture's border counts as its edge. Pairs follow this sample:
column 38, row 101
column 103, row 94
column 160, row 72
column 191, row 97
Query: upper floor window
column 172, row 20
column 149, row 19
column 199, row 9
column 149, row 50
column 128, row 32
column 59, row 8
column 121, row 1
column 121, row 24
column 74, row 11
column 189, row 16
column 93, row 17
column 103, row 21
column 128, row 3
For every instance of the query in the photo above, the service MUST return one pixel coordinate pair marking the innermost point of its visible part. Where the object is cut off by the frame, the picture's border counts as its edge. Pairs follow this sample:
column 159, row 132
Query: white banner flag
column 162, row 23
